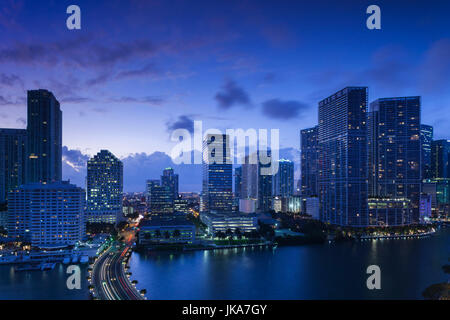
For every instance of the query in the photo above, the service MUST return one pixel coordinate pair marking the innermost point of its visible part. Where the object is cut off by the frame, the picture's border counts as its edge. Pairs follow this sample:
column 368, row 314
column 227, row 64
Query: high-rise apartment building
column 217, row 183
column 309, row 162
column 426, row 137
column 343, row 157
column 104, row 188
column 440, row 159
column 13, row 156
column 395, row 153
column 48, row 215
column 44, row 130
column 283, row 180
column 170, row 179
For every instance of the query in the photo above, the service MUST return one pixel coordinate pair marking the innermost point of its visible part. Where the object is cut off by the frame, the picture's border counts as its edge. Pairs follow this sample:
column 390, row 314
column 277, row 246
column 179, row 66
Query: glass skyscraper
column 440, row 159
column 13, row 156
column 343, row 157
column 395, row 153
column 426, row 136
column 309, row 162
column 217, row 182
column 44, row 145
column 170, row 179
column 265, row 187
column 283, row 180
column 237, row 182
column 104, row 188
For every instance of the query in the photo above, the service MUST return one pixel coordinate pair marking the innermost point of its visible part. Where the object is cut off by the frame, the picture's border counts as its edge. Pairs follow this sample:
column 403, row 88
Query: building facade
column 440, row 159
column 426, row 137
column 13, row 155
column 222, row 222
column 283, row 180
column 395, row 152
column 217, row 182
column 170, row 179
column 47, row 215
column 309, row 162
column 44, row 143
column 161, row 200
column 104, row 188
column 343, row 157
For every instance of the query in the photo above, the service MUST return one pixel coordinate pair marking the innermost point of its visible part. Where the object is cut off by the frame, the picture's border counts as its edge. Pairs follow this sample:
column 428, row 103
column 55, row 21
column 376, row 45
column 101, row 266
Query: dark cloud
column 278, row 109
column 10, row 80
column 149, row 69
column 231, row 95
column 152, row 100
column 183, row 122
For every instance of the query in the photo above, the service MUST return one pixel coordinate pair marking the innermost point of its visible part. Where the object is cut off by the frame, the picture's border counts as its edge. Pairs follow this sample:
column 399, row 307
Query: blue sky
column 138, row 69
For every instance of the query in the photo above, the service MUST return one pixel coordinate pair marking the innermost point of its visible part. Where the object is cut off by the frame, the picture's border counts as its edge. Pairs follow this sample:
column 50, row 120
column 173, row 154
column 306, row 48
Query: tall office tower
column 395, row 153
column 283, row 180
column 104, row 188
column 47, row 215
column 161, row 200
column 237, row 182
column 249, row 187
column 309, row 162
column 426, row 137
column 12, row 161
column 44, row 145
column 148, row 189
column 343, row 157
column 170, row 179
column 265, row 186
column 440, row 159
column 217, row 183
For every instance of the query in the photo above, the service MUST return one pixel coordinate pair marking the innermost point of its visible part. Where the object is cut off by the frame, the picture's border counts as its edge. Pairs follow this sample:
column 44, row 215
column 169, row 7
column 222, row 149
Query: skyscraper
column 395, row 153
column 47, row 215
column 44, row 145
column 148, row 189
column 343, row 157
column 161, row 200
column 440, row 159
column 170, row 179
column 283, row 180
column 217, row 183
column 309, row 162
column 104, row 188
column 249, row 186
column 265, row 186
column 12, row 160
column 426, row 136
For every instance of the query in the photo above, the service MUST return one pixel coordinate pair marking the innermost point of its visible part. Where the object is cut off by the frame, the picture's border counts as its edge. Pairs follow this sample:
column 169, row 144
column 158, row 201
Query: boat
column 84, row 259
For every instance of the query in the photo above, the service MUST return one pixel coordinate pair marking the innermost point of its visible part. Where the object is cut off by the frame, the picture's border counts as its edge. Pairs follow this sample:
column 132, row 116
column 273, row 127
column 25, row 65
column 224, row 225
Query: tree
column 220, row 235
column 167, row 234
column 238, row 233
column 229, row 233
column 158, row 233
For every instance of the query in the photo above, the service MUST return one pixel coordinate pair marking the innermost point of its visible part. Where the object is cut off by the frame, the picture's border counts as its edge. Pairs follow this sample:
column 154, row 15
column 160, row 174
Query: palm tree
column 176, row 233
column 167, row 234
column 229, row 233
column 238, row 233
column 158, row 234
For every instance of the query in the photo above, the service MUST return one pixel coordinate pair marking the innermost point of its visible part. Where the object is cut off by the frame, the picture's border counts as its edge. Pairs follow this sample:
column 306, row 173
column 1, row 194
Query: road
column 109, row 278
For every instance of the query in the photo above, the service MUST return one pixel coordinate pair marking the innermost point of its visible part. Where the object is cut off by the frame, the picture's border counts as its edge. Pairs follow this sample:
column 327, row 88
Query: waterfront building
column 425, row 207
column 170, row 179
column 166, row 231
column 342, row 142
column 217, row 182
column 426, row 136
column 283, row 180
column 181, row 206
column 395, row 152
column 44, row 143
column 161, row 200
column 277, row 204
column 389, row 211
column 13, row 157
column 104, row 188
column 309, row 147
column 223, row 222
column 294, row 204
column 440, row 159
column 148, row 189
column 47, row 215
column 439, row 190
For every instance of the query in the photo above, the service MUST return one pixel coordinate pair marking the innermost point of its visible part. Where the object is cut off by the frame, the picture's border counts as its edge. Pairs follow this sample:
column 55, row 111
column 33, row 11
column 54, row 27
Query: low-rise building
column 166, row 230
column 222, row 222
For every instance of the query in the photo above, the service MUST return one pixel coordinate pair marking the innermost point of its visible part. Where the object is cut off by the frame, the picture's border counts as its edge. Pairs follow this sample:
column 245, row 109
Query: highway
column 108, row 276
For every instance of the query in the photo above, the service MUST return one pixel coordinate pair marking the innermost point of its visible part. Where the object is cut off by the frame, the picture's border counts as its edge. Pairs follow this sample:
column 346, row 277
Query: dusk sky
column 138, row 69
